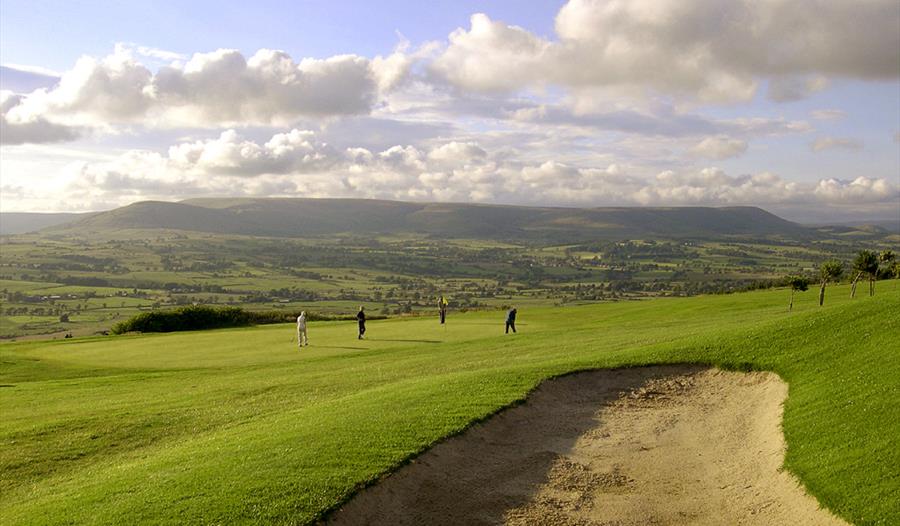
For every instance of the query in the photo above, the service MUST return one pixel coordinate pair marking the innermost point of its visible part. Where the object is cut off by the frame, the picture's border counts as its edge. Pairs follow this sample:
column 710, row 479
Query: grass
column 237, row 426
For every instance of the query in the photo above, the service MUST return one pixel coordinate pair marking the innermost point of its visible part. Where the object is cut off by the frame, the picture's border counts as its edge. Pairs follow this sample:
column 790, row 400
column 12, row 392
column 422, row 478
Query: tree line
column 867, row 264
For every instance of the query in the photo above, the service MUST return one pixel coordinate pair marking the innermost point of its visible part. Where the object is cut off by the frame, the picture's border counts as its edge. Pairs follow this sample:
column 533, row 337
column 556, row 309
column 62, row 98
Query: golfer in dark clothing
column 361, row 319
column 511, row 320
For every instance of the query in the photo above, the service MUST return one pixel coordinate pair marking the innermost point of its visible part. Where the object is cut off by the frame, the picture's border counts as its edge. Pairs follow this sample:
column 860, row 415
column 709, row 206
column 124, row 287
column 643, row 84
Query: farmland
column 53, row 284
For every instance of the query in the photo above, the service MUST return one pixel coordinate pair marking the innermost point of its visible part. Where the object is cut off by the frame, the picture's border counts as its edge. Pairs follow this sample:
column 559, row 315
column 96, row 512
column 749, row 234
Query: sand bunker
column 652, row 445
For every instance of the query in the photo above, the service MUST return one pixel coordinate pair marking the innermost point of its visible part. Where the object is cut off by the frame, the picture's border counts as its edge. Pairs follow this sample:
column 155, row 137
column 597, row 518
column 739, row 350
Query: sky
column 790, row 105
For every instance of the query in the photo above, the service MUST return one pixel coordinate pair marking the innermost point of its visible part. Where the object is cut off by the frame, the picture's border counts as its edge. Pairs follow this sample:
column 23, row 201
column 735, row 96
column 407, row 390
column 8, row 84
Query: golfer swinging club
column 511, row 320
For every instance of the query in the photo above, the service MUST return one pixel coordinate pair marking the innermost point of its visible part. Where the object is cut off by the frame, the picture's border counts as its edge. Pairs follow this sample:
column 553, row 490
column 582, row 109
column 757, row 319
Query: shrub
column 188, row 318
column 199, row 317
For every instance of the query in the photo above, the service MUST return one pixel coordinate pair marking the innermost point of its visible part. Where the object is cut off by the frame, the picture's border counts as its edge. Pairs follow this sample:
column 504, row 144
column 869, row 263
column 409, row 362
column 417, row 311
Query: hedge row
column 199, row 317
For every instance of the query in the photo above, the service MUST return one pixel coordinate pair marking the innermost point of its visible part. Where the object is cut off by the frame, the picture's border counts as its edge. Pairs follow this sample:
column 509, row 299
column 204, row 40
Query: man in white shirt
column 302, row 338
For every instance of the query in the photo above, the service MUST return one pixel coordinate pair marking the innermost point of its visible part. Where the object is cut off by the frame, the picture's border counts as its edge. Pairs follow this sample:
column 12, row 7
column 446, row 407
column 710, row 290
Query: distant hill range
column 322, row 217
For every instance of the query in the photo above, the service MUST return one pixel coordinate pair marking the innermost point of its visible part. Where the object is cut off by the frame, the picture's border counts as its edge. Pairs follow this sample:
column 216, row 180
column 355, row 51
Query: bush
column 189, row 318
column 199, row 317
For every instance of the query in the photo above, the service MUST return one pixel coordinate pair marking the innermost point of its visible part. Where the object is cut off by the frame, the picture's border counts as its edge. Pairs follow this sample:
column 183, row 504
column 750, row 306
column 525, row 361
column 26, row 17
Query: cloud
column 719, row 147
column 160, row 54
column 33, row 130
column 296, row 163
column 22, row 79
column 858, row 191
column 714, row 186
column 296, row 151
column 835, row 143
column 457, row 152
column 494, row 56
column 220, row 88
column 393, row 70
column 789, row 89
column 710, row 50
column 828, row 114
column 656, row 120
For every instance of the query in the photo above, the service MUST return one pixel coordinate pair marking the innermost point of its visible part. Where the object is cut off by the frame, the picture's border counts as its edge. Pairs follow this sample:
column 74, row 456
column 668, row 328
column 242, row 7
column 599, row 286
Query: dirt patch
column 642, row 446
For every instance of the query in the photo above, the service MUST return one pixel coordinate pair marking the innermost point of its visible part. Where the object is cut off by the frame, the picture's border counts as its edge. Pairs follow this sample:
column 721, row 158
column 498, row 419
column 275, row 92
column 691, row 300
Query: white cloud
column 111, row 89
column 719, row 147
column 160, row 54
column 221, row 88
column 393, row 70
column 31, row 130
column 835, row 143
column 494, row 56
column 295, row 163
column 710, row 50
column 268, row 88
column 859, row 190
column 714, row 186
column 457, row 152
column 296, row 151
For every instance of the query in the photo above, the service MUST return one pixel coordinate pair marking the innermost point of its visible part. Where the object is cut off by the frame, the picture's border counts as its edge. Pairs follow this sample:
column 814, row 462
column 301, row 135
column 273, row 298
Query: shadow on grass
column 406, row 341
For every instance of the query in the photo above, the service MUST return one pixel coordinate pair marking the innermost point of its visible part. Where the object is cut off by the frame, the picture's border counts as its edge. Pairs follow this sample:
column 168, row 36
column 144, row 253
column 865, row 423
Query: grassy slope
column 237, row 426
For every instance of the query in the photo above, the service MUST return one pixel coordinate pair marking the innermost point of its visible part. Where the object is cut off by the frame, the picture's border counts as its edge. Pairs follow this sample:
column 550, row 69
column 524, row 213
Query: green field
column 53, row 284
column 237, row 426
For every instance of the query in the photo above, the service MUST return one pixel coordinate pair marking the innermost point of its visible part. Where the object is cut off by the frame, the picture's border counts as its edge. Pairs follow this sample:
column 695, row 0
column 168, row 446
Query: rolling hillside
column 318, row 217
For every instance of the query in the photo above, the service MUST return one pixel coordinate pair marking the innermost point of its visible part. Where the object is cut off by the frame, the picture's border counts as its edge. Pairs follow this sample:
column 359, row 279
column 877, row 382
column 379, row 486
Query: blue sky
column 55, row 34
column 571, row 103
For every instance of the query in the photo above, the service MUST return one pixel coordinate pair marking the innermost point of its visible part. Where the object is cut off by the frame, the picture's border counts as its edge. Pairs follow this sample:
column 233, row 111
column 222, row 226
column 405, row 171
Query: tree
column 866, row 262
column 886, row 257
column 894, row 271
column 831, row 270
column 797, row 283
column 888, row 260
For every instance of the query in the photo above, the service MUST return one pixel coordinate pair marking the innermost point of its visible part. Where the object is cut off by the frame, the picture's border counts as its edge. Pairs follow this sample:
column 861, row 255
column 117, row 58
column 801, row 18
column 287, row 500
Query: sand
column 641, row 446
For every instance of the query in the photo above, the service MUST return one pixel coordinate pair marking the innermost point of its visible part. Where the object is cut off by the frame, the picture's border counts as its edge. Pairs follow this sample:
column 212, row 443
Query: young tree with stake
column 865, row 263
column 831, row 270
column 797, row 283
column 887, row 260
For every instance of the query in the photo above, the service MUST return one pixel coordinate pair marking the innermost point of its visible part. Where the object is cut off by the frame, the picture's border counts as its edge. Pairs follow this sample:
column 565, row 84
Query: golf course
column 238, row 426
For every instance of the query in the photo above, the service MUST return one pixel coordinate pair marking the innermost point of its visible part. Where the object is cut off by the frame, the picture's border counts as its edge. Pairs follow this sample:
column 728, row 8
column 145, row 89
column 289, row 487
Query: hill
column 320, row 217
column 24, row 222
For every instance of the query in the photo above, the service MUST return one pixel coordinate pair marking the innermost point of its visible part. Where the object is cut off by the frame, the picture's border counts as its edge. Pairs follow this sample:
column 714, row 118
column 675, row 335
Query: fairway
column 238, row 426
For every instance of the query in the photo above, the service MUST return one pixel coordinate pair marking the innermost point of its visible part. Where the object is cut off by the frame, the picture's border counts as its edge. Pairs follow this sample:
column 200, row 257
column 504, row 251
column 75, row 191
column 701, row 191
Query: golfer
column 302, row 338
column 361, row 319
column 511, row 320
column 442, row 309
